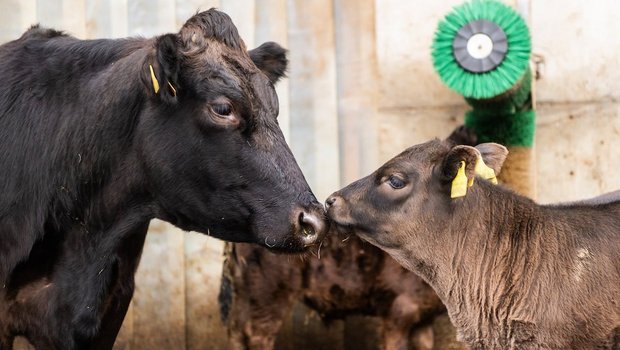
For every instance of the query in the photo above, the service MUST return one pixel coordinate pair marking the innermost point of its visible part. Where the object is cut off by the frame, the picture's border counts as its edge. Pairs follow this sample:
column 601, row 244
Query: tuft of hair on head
column 214, row 25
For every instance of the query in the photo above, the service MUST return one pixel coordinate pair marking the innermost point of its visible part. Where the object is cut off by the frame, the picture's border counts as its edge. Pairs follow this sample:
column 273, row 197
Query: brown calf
column 513, row 274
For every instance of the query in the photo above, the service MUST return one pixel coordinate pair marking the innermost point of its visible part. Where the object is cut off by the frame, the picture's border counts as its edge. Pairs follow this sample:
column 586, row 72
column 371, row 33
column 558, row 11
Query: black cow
column 98, row 137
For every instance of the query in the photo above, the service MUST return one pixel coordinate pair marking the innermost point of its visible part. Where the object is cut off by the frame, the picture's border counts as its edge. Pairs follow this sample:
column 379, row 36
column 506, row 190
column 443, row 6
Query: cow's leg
column 404, row 315
column 257, row 293
column 423, row 338
column 122, row 292
column 258, row 332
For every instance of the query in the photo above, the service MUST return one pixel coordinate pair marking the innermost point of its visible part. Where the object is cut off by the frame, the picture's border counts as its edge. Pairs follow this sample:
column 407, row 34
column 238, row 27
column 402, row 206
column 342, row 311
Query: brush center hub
column 479, row 46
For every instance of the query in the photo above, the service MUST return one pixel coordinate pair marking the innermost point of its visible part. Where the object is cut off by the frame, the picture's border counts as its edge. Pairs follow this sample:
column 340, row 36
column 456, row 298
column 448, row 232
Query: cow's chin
column 289, row 244
column 294, row 245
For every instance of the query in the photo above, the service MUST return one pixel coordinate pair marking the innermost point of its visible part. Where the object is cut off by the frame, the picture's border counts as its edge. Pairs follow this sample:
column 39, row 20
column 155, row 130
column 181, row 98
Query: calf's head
column 214, row 156
column 409, row 198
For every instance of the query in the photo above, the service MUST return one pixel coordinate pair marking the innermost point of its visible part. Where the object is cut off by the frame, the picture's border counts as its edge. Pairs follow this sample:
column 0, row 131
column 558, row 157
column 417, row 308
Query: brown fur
column 260, row 289
column 513, row 274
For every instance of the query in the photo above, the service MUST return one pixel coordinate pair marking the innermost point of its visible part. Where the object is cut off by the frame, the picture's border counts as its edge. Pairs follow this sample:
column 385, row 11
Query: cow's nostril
column 308, row 224
column 311, row 227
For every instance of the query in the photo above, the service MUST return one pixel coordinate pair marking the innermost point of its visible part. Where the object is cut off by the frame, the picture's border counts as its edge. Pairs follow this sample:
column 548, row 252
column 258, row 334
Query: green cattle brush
column 481, row 49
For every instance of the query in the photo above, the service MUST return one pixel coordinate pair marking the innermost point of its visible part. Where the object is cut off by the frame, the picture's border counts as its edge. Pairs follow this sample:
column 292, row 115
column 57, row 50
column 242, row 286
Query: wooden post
column 314, row 123
column 357, row 88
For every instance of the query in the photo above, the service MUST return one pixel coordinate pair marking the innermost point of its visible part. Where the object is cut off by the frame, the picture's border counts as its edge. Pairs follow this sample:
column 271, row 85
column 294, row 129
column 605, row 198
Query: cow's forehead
column 218, row 65
column 216, row 54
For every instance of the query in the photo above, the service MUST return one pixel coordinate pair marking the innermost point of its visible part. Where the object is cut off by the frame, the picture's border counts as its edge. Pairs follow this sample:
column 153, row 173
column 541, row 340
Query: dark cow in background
column 352, row 277
column 513, row 274
column 259, row 290
column 98, row 137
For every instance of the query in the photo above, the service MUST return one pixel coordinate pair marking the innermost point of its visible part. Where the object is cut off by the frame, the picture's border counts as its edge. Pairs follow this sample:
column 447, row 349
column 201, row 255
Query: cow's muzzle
column 310, row 224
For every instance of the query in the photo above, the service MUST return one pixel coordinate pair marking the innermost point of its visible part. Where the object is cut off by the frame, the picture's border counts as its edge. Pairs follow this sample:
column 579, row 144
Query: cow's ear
column 163, row 68
column 493, row 155
column 455, row 159
column 271, row 59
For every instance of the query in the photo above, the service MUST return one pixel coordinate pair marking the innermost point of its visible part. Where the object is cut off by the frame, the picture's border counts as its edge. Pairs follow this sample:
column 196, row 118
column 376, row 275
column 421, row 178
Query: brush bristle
column 515, row 129
column 503, row 77
column 512, row 101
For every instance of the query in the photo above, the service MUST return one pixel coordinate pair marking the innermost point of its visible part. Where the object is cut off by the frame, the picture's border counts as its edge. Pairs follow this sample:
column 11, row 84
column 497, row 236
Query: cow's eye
column 396, row 182
column 224, row 109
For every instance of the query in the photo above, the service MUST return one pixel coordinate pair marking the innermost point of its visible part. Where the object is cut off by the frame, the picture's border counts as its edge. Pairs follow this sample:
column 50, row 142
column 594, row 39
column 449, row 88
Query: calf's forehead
column 419, row 156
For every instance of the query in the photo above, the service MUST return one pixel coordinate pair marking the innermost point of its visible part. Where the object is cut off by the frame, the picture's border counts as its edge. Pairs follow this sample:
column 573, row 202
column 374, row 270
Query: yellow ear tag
column 154, row 79
column 485, row 172
column 459, row 184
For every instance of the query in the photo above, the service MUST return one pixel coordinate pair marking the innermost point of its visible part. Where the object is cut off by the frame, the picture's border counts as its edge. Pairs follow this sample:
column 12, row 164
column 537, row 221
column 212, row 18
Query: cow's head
column 409, row 198
column 214, row 155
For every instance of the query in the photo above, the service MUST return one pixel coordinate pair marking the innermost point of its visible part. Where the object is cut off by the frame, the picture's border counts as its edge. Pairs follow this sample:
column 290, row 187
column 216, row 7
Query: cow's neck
column 103, row 184
column 94, row 198
column 104, row 200
column 105, row 173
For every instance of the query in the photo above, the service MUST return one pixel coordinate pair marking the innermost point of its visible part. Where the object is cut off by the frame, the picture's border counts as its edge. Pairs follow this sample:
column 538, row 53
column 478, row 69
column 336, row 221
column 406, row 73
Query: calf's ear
column 493, row 155
column 271, row 59
column 453, row 161
column 163, row 67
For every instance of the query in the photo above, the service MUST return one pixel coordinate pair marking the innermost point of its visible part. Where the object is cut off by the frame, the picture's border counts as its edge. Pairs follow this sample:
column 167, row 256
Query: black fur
column 271, row 58
column 218, row 26
column 90, row 154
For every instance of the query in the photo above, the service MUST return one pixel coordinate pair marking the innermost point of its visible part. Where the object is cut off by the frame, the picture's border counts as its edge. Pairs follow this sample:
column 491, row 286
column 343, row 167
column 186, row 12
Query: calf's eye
column 396, row 182
column 222, row 109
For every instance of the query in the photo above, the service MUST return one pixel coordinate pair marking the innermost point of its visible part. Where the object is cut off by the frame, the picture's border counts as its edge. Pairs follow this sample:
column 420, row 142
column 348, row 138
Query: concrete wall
column 361, row 88
column 578, row 95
